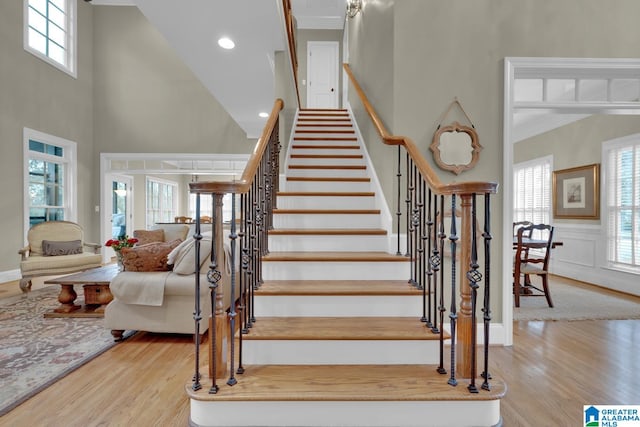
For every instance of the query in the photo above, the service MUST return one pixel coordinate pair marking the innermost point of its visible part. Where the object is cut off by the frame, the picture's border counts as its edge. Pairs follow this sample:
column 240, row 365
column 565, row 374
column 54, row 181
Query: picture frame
column 576, row 192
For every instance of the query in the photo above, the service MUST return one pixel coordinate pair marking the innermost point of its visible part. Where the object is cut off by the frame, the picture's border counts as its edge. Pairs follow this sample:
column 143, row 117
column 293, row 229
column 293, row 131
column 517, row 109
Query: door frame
column 543, row 68
column 107, row 206
column 335, row 69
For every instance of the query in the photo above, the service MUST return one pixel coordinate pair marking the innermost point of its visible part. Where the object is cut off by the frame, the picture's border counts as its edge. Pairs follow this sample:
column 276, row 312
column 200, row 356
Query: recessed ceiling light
column 264, row 115
column 226, row 43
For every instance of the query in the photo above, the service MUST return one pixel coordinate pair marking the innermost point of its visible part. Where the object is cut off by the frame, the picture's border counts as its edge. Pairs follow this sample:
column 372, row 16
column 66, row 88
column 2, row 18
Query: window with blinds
column 532, row 191
column 622, row 189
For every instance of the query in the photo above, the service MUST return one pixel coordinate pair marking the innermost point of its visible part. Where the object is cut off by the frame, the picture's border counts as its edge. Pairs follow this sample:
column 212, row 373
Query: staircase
column 338, row 339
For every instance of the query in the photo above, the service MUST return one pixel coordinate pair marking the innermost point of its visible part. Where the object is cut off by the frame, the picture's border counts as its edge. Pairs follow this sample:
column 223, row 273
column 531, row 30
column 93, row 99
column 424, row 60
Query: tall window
column 162, row 201
column 205, row 206
column 50, row 32
column 49, row 177
column 622, row 186
column 532, row 191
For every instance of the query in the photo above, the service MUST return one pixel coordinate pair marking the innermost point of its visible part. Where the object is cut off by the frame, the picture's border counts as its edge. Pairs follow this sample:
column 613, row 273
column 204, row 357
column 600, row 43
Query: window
column 49, row 32
column 162, row 201
column 50, row 165
column 205, row 206
column 532, row 191
column 622, row 186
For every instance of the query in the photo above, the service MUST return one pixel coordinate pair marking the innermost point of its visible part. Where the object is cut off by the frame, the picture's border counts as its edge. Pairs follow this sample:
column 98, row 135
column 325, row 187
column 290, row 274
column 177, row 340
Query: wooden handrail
column 291, row 42
column 243, row 185
column 421, row 163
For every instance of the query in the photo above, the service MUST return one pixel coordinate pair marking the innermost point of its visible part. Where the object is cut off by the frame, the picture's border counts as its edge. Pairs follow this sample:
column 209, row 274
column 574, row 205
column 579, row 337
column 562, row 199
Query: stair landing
column 345, row 395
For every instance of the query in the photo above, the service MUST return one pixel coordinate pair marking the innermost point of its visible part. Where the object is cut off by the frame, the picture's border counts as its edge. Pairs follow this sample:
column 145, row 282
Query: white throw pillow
column 183, row 257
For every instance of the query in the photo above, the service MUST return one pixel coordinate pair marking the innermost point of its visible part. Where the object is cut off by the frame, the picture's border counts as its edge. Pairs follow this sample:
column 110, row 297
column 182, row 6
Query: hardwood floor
column 553, row 369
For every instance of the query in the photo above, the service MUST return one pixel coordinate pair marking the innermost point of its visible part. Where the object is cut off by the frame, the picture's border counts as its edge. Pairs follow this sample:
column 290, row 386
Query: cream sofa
column 55, row 248
column 163, row 301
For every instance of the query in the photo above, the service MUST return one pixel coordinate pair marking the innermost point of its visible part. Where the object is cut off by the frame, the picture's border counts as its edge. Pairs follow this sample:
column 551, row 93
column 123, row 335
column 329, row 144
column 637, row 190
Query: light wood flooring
column 553, row 369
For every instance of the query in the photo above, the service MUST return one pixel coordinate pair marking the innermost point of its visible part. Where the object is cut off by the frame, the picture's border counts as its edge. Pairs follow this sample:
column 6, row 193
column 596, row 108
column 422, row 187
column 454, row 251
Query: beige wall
column 443, row 50
column 132, row 94
column 37, row 95
column 146, row 99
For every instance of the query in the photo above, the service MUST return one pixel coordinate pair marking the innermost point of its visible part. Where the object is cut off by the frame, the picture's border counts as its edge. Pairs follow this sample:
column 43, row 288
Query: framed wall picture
column 576, row 193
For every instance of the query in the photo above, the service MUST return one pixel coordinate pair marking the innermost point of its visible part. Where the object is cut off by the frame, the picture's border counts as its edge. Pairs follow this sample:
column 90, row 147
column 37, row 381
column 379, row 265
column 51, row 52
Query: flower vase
column 119, row 260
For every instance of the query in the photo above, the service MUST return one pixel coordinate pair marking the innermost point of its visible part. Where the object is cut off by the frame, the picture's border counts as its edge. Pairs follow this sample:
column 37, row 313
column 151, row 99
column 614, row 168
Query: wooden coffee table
column 96, row 292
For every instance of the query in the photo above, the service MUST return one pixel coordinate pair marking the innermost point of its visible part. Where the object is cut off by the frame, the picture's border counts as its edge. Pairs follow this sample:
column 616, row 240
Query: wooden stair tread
column 326, row 156
column 327, row 211
column 328, row 232
column 329, row 178
column 326, row 131
column 335, row 256
column 337, row 167
column 340, row 328
column 324, row 125
column 325, row 147
column 332, row 119
column 337, row 287
column 323, row 138
column 326, row 193
column 344, row 383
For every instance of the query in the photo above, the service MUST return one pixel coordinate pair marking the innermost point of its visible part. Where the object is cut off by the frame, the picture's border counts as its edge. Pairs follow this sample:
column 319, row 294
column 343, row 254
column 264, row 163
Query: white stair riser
column 485, row 413
column 303, row 243
column 340, row 352
column 337, row 306
column 323, row 142
column 357, row 221
column 326, row 202
column 328, row 186
column 336, row 270
column 325, row 161
column 325, row 151
column 321, row 133
column 327, row 173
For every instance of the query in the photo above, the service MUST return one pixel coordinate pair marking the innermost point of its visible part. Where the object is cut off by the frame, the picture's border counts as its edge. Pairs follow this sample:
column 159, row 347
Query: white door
column 322, row 74
column 118, row 210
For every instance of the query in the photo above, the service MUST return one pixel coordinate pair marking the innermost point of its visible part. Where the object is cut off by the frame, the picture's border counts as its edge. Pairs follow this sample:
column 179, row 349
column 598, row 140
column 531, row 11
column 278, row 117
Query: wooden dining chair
column 532, row 259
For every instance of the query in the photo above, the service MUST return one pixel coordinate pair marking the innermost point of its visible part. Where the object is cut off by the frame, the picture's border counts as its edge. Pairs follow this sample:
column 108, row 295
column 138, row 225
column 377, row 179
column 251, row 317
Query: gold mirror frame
column 440, row 155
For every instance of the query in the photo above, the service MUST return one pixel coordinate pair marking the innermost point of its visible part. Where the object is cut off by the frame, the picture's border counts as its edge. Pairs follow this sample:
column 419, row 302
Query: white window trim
column 606, row 147
column 146, row 195
column 72, row 40
column 70, row 159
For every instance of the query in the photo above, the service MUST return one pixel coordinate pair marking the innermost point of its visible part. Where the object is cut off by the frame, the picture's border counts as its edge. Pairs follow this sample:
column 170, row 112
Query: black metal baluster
column 197, row 314
column 438, row 257
column 487, row 300
column 408, row 206
column 242, row 285
column 430, row 303
column 232, row 310
column 413, row 215
column 453, row 313
column 398, row 208
column 474, row 277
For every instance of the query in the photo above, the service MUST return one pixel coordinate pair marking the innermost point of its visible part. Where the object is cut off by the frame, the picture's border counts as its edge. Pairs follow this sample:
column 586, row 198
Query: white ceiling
column 241, row 79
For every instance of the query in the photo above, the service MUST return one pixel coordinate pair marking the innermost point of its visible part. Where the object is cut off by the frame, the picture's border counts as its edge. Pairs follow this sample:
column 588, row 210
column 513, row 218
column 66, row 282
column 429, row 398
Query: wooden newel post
column 219, row 319
column 464, row 339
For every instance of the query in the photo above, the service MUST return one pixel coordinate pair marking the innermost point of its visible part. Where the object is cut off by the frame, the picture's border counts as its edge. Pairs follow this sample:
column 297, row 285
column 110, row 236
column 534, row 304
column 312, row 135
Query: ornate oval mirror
column 455, row 147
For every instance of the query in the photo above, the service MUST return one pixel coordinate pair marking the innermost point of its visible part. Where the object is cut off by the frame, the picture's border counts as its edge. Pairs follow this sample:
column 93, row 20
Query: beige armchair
column 56, row 247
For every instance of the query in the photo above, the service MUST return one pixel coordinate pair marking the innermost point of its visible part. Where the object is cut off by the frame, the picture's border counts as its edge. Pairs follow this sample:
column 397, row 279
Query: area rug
column 36, row 352
column 577, row 303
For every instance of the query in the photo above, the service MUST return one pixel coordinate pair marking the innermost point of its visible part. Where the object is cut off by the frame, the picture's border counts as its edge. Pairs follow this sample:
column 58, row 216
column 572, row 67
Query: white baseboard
column 8, row 276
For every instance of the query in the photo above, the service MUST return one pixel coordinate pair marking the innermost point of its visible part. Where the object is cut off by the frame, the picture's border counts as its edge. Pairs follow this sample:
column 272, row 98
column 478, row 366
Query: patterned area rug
column 577, row 303
column 36, row 352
